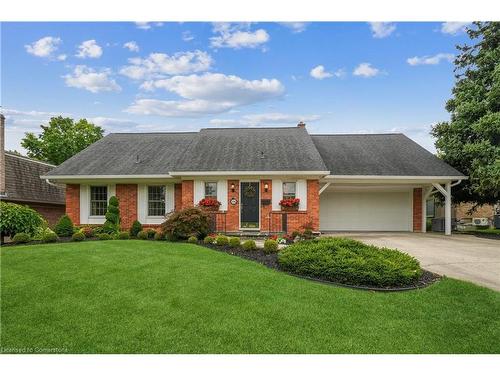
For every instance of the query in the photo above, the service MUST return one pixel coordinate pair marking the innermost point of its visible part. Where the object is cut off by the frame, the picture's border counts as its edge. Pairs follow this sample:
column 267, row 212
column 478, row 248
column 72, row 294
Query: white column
column 447, row 209
column 426, row 192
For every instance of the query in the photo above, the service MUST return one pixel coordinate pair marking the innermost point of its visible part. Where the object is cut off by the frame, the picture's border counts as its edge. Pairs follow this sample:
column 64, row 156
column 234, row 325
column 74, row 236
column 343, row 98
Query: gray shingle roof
column 379, row 154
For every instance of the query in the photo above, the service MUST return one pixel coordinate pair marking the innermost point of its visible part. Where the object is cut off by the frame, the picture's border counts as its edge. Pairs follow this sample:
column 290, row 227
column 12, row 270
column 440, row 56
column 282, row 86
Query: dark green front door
column 249, row 205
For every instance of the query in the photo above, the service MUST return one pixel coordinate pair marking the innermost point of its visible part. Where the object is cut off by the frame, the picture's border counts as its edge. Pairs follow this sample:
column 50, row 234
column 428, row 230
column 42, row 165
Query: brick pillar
column 187, row 193
column 127, row 196
column 177, row 197
column 233, row 211
column 73, row 203
column 417, row 210
column 313, row 203
column 265, row 211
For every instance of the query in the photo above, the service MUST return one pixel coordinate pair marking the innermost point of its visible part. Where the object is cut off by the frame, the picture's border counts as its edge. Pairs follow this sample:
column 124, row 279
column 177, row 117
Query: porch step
column 249, row 234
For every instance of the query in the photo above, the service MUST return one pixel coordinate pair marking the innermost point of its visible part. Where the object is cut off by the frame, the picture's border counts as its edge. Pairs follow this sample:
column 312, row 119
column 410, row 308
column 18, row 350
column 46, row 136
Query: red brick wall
column 313, row 203
column 177, row 197
column 127, row 196
column 187, row 193
column 233, row 212
column 73, row 203
column 417, row 210
column 51, row 212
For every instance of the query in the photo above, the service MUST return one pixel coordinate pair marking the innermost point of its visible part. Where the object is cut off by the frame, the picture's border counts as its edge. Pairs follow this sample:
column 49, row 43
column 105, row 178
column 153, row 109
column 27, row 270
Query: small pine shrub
column 142, row 235
column 270, row 246
column 192, row 239
column 249, row 245
column 221, row 241
column 135, row 228
column 208, row 240
column 49, row 237
column 123, row 235
column 21, row 238
column 112, row 223
column 104, row 236
column 78, row 236
column 234, row 242
column 158, row 236
column 64, row 227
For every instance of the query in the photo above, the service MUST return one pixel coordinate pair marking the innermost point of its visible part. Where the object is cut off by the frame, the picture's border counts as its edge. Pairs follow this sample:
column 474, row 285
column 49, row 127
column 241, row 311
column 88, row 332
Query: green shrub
column 170, row 237
column 295, row 234
column 221, row 241
column 151, row 233
column 112, row 223
column 104, row 236
column 135, row 228
column 78, row 236
column 187, row 222
column 123, row 235
column 350, row 262
column 15, row 218
column 87, row 231
column 234, row 242
column 270, row 246
column 21, row 238
column 192, row 239
column 50, row 237
column 64, row 227
column 41, row 231
column 249, row 245
column 307, row 234
column 142, row 235
column 158, row 236
column 208, row 240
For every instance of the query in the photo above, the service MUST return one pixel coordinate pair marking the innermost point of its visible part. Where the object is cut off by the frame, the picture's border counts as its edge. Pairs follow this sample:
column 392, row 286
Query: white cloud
column 148, row 25
column 430, row 60
column 237, row 36
column 44, row 47
column 131, row 46
column 158, row 64
column 62, row 57
column 319, row 72
column 295, row 27
column 382, row 29
column 206, row 94
column 89, row 79
column 187, row 36
column 366, row 70
column 453, row 28
column 114, row 124
column 274, row 118
column 90, row 49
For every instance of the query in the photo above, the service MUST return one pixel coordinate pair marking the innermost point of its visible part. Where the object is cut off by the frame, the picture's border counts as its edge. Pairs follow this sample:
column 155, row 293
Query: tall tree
column 470, row 141
column 61, row 139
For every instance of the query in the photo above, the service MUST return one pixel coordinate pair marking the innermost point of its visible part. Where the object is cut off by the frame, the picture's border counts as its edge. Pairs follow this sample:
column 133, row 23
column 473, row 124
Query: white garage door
column 365, row 211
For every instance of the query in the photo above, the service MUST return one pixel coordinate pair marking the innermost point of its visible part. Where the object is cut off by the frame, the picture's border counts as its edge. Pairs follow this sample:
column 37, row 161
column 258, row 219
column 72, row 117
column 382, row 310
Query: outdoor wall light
column 266, row 187
column 232, row 187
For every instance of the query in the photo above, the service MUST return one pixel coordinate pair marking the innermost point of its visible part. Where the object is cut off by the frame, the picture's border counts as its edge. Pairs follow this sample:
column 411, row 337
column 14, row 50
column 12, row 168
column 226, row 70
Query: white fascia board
column 252, row 173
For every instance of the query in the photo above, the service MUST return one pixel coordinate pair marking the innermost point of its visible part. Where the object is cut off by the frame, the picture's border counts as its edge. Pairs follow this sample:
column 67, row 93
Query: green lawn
column 159, row 297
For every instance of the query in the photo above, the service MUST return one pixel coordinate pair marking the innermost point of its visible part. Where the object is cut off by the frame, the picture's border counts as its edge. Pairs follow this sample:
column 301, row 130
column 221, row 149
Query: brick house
column 344, row 182
column 20, row 183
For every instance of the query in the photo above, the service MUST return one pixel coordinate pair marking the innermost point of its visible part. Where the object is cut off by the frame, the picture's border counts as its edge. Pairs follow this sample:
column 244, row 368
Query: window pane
column 98, row 200
column 288, row 190
column 156, row 200
column 210, row 189
column 430, row 207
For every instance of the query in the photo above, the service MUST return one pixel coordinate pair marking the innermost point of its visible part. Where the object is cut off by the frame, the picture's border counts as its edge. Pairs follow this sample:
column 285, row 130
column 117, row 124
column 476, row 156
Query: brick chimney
column 301, row 124
column 2, row 155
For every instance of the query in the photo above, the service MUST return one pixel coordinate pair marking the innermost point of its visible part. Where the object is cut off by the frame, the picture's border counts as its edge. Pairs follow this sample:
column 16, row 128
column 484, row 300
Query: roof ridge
column 29, row 159
column 142, row 133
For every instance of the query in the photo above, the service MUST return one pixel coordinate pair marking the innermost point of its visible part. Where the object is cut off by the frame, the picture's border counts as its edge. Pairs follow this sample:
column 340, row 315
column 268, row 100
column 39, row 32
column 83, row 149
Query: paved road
column 463, row 257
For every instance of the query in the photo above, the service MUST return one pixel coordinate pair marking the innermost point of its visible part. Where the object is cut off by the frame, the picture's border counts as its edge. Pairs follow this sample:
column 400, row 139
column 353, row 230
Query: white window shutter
column 84, row 204
column 277, row 194
column 199, row 191
column 169, row 198
column 301, row 193
column 222, row 194
column 142, row 203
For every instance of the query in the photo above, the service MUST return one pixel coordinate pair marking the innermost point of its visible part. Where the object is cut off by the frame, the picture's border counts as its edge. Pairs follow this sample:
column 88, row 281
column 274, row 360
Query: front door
column 249, row 205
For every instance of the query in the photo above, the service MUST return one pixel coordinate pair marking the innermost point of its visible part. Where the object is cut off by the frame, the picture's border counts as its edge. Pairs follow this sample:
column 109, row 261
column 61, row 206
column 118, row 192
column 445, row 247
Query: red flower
column 209, row 202
column 290, row 202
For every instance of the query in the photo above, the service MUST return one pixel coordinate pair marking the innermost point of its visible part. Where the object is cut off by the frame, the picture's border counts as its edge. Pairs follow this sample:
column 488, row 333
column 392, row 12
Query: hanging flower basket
column 290, row 204
column 209, row 204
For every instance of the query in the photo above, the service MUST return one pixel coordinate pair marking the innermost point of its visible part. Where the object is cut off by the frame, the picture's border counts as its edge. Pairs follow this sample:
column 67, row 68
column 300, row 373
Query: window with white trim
column 289, row 190
column 156, row 200
column 211, row 190
column 98, row 200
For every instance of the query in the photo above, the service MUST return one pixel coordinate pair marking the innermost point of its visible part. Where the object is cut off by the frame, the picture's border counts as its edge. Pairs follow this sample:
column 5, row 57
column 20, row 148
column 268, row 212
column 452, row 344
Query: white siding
column 277, row 194
column 222, row 194
column 301, row 193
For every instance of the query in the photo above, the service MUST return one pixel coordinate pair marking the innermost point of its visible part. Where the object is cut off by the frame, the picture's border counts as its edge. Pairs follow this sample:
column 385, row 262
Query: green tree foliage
column 64, row 227
column 470, row 142
column 112, row 223
column 15, row 218
column 61, row 139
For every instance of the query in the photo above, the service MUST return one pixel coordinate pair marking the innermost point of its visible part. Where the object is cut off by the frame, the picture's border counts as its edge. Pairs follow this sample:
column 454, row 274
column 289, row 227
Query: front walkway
column 460, row 256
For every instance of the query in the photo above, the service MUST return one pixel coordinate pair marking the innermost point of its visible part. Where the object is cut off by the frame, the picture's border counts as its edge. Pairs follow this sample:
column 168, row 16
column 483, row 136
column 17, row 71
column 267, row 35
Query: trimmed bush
column 21, row 238
column 185, row 223
column 234, row 242
column 49, row 237
column 135, row 228
column 350, row 262
column 78, row 236
column 192, row 239
column 249, row 245
column 16, row 218
column 151, row 233
column 158, row 236
column 87, row 231
column 64, row 227
column 221, row 241
column 270, row 246
column 104, row 236
column 112, row 223
column 142, row 235
column 123, row 235
column 208, row 240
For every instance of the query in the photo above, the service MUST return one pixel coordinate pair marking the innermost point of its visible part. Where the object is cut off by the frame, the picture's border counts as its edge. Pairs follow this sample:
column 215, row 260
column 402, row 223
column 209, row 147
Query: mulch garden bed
column 271, row 261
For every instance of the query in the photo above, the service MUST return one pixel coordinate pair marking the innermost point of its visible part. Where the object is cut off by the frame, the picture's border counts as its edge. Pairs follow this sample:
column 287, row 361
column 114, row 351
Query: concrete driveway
column 460, row 256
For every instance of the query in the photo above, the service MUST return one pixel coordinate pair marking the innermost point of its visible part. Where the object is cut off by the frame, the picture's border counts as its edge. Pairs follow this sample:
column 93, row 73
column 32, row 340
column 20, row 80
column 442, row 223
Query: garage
column 366, row 211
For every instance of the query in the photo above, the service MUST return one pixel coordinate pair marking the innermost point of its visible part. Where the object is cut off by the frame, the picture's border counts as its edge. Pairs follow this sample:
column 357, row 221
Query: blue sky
column 337, row 77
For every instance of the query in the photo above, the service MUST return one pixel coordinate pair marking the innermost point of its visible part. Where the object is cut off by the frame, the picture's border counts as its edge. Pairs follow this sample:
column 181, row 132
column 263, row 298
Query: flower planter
column 289, row 209
column 211, row 208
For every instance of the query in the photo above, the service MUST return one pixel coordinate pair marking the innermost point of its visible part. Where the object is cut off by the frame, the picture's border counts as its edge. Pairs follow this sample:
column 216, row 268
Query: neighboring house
column 462, row 212
column 373, row 182
column 20, row 183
